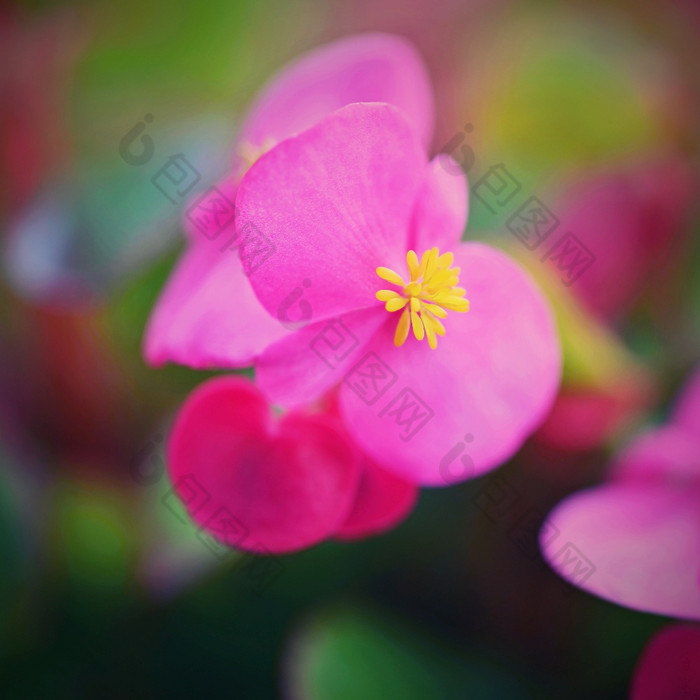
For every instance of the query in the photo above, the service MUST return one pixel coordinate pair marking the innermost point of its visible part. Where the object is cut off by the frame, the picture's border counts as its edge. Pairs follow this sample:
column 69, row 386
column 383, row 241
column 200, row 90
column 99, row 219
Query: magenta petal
column 207, row 315
column 441, row 416
column 635, row 545
column 669, row 668
column 687, row 411
column 363, row 68
column 441, row 208
column 301, row 367
column 383, row 500
column 255, row 485
column 334, row 203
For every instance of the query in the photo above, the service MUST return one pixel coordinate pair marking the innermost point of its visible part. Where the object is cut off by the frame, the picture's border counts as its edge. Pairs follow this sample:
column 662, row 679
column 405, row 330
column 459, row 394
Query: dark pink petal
column 253, row 483
column 207, row 316
column 363, row 68
column 334, row 203
column 635, row 545
column 383, row 500
column 300, row 367
column 441, row 208
column 445, row 415
column 669, row 668
column 687, row 411
column 667, row 455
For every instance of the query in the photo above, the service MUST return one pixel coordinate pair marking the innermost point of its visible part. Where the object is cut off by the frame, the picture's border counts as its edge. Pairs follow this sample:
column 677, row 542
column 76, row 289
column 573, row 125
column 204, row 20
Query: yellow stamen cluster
column 426, row 298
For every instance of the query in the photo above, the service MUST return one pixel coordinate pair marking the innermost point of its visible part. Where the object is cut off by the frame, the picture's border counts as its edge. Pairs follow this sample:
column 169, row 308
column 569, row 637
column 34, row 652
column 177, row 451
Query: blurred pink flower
column 636, row 539
column 633, row 219
column 207, row 315
column 349, row 206
column 272, row 486
column 669, row 668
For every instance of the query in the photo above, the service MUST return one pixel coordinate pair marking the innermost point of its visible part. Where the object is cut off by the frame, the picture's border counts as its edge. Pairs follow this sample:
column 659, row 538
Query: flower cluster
column 332, row 171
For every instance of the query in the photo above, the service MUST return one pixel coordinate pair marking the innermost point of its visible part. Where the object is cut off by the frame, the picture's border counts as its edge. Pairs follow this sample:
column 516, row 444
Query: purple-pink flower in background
column 635, row 220
column 640, row 531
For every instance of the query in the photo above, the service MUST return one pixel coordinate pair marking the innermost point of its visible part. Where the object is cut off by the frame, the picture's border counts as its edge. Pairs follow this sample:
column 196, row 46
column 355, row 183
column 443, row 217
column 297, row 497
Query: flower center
column 426, row 298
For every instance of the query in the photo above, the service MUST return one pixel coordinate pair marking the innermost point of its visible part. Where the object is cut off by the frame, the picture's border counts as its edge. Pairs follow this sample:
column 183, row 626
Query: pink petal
column 362, row 68
column 667, row 455
column 335, row 203
column 254, row 484
column 687, row 411
column 475, row 398
column 304, row 365
column 635, row 545
column 207, row 316
column 440, row 216
column 669, row 668
column 383, row 500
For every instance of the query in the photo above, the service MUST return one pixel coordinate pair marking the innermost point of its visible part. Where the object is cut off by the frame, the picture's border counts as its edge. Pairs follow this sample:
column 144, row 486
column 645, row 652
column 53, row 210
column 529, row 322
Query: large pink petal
column 363, row 68
column 207, row 315
column 383, row 500
column 301, row 367
column 636, row 545
column 687, row 412
column 335, row 203
column 441, row 208
column 475, row 398
column 667, row 455
column 254, row 484
column 669, row 668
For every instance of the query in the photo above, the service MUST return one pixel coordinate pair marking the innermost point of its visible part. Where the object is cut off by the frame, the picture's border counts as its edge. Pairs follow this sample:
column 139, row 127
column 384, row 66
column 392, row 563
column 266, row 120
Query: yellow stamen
column 402, row 329
column 430, row 292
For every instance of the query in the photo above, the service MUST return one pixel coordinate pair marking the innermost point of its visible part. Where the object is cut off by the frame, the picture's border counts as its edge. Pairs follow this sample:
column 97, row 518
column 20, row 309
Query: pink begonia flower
column 636, row 539
column 207, row 315
column 272, row 486
column 366, row 234
column 669, row 668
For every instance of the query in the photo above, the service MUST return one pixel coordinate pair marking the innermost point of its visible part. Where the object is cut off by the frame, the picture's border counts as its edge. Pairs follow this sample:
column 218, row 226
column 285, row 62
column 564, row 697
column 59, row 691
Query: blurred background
column 106, row 589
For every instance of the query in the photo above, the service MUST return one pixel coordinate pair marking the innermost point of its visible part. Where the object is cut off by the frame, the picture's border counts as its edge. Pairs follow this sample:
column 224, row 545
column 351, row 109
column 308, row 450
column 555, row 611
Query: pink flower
column 640, row 532
column 208, row 316
column 669, row 668
column 634, row 220
column 272, row 486
column 367, row 245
